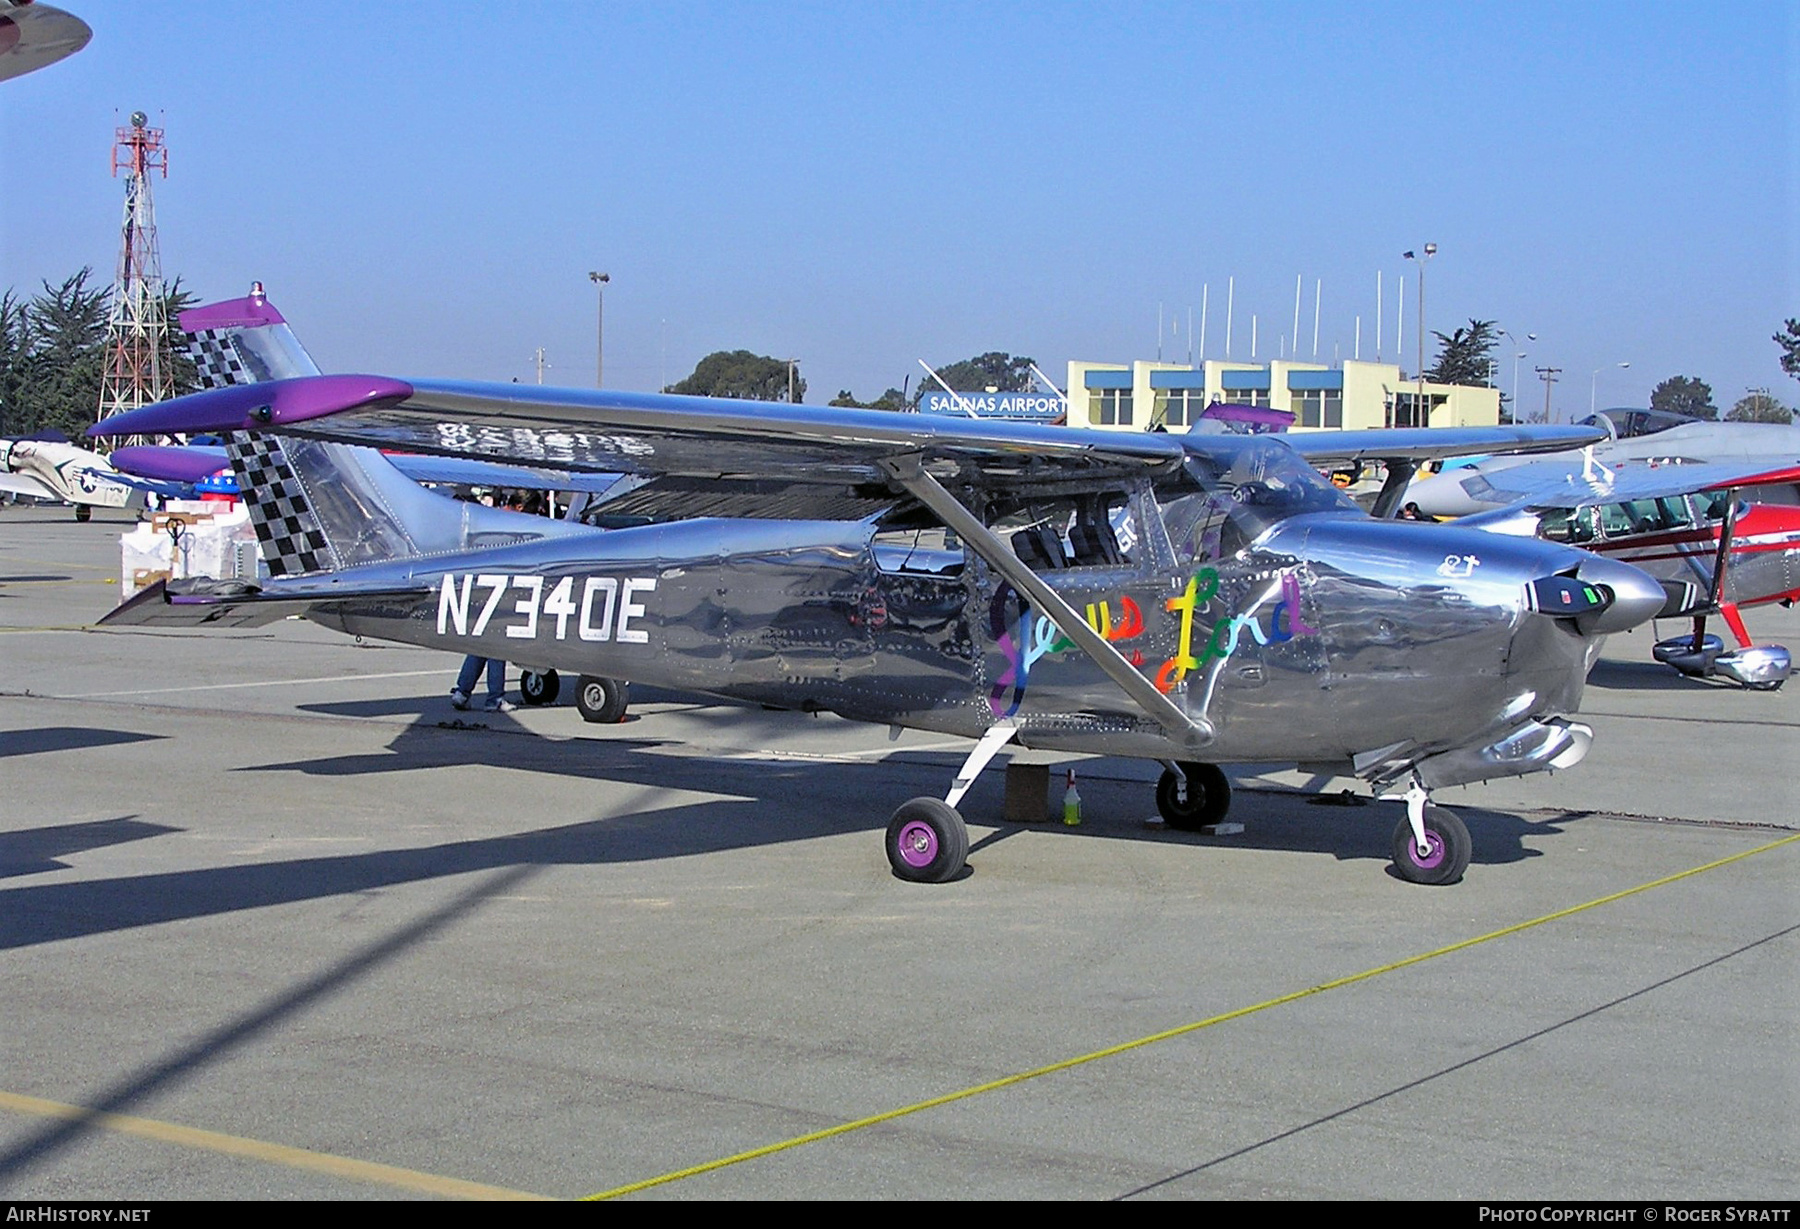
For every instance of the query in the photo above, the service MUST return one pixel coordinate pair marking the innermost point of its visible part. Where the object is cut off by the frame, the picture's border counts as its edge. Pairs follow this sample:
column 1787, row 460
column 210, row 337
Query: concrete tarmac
column 276, row 922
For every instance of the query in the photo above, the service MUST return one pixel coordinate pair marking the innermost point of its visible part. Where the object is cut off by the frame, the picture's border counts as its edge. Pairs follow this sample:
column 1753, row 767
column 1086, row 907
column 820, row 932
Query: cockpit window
column 1235, row 490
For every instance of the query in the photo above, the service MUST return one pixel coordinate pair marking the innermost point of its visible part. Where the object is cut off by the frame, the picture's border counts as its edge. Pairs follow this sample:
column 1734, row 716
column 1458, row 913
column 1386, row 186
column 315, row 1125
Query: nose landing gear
column 1431, row 845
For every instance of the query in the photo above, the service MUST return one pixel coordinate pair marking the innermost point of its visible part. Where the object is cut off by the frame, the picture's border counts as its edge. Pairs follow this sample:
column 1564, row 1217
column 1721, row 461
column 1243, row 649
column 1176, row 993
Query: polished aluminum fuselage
column 1330, row 638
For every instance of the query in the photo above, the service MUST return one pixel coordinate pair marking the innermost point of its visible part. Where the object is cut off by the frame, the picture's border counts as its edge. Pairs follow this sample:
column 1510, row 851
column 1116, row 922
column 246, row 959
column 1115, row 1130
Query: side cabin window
column 1639, row 516
column 1094, row 530
column 1237, row 489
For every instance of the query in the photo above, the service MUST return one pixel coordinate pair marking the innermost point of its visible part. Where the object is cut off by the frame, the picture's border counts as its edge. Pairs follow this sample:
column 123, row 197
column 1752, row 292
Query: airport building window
column 1109, row 407
column 1184, row 407
column 1319, row 407
column 1248, row 396
column 1409, row 410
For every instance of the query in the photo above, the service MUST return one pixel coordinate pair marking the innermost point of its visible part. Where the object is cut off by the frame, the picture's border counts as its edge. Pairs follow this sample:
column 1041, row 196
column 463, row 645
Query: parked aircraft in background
column 1633, row 436
column 1692, row 526
column 1189, row 599
column 55, row 469
column 33, row 36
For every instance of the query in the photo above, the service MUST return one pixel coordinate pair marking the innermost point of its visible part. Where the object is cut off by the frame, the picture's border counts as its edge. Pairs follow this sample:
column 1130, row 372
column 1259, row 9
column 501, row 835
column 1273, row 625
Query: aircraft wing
column 35, row 35
column 1553, row 484
column 24, row 484
column 192, row 463
column 1433, row 443
column 737, row 457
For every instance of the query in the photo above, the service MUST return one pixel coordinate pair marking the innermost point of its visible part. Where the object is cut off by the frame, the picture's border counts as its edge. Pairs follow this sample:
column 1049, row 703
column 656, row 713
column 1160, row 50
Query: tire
column 602, row 700
column 1450, row 849
column 1208, row 797
column 83, row 512
column 927, row 841
column 539, row 689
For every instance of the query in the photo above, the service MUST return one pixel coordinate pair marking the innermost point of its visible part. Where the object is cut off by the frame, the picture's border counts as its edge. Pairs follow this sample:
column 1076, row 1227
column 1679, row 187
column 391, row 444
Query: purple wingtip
column 168, row 463
column 255, row 407
column 248, row 312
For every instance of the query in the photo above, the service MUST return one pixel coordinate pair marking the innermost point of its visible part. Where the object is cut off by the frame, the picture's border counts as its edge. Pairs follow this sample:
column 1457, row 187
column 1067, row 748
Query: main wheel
column 1446, row 856
column 927, row 841
column 602, row 700
column 83, row 512
column 1208, row 797
column 536, row 689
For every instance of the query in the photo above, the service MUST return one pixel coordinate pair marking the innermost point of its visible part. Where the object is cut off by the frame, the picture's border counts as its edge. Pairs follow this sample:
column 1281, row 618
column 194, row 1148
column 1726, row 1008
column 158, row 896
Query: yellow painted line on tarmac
column 1179, row 1031
column 261, row 1150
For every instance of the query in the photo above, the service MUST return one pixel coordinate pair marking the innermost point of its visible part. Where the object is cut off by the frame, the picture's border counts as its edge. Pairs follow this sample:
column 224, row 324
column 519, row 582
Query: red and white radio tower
column 137, row 332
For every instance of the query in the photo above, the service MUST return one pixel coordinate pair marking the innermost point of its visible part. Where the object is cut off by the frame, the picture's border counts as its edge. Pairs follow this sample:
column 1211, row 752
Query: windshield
column 1235, row 489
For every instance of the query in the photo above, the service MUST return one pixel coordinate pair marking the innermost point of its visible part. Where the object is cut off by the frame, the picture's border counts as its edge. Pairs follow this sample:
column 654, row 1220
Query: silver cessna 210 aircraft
column 1194, row 600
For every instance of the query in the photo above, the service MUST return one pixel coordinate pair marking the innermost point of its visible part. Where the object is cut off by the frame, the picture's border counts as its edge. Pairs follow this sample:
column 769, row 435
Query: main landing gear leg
column 1431, row 845
column 927, row 841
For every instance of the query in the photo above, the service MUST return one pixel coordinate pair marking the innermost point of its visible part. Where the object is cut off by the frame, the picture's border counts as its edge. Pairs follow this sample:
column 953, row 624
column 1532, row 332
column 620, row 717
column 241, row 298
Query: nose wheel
column 1438, row 852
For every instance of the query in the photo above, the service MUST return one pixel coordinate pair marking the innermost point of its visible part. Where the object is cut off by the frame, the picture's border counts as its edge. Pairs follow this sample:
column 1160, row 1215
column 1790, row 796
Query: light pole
column 599, row 280
column 1517, row 355
column 1430, row 249
column 1594, row 386
column 790, row 366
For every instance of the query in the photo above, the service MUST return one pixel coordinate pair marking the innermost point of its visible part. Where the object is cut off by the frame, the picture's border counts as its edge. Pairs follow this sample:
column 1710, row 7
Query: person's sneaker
column 459, row 698
column 499, row 704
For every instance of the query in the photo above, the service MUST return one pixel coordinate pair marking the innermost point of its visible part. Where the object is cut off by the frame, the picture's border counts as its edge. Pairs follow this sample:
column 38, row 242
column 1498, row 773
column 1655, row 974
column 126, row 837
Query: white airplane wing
column 1552, row 484
column 23, row 484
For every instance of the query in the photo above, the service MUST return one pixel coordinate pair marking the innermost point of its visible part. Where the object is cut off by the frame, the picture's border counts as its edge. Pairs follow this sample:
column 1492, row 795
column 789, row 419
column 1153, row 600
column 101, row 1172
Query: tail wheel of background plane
column 1208, row 797
column 927, row 841
column 602, row 700
column 539, row 688
column 1447, row 855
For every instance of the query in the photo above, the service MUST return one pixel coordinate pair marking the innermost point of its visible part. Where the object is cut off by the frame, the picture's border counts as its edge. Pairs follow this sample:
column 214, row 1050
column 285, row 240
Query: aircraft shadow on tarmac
column 765, row 802
column 35, row 850
column 1650, row 676
column 66, row 738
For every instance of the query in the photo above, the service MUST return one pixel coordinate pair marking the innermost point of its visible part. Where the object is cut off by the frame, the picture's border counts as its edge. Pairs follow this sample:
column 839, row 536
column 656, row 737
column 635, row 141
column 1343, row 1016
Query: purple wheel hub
column 918, row 844
column 1434, row 858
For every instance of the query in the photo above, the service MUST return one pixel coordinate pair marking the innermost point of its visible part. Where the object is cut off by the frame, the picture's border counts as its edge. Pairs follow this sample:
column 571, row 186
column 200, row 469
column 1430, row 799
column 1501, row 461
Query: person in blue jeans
column 496, row 684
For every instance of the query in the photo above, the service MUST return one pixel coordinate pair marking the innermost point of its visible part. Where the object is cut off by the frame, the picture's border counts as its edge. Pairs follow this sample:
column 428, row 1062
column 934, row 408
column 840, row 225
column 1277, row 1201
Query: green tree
column 1789, row 341
column 1684, row 395
column 1001, row 372
column 67, row 355
column 1465, row 356
column 1759, row 406
column 739, row 373
column 15, row 345
column 178, row 369
column 892, row 399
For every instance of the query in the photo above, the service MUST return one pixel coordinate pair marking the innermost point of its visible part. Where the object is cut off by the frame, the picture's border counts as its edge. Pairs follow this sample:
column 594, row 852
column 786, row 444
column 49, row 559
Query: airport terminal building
column 1143, row 395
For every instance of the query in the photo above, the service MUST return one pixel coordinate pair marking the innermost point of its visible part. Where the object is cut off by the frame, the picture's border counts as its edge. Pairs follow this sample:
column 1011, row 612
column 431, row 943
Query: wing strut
column 909, row 472
column 1715, row 597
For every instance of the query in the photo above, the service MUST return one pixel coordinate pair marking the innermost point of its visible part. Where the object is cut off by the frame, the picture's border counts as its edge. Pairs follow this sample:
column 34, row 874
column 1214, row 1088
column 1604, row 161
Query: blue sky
column 424, row 188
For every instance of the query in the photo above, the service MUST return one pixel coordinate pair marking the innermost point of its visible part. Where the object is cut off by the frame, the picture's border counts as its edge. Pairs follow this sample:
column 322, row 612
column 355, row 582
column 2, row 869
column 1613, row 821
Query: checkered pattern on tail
column 217, row 359
column 287, row 527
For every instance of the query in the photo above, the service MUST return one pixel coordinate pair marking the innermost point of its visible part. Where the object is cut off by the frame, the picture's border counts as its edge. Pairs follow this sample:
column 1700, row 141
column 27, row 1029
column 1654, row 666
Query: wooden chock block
column 1027, row 793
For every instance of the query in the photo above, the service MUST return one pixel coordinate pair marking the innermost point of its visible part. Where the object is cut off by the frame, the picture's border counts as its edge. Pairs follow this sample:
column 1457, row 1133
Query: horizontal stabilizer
column 234, row 603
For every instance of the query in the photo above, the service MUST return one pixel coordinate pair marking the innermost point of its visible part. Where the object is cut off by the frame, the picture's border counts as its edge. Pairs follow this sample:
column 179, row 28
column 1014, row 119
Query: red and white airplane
column 1718, row 535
